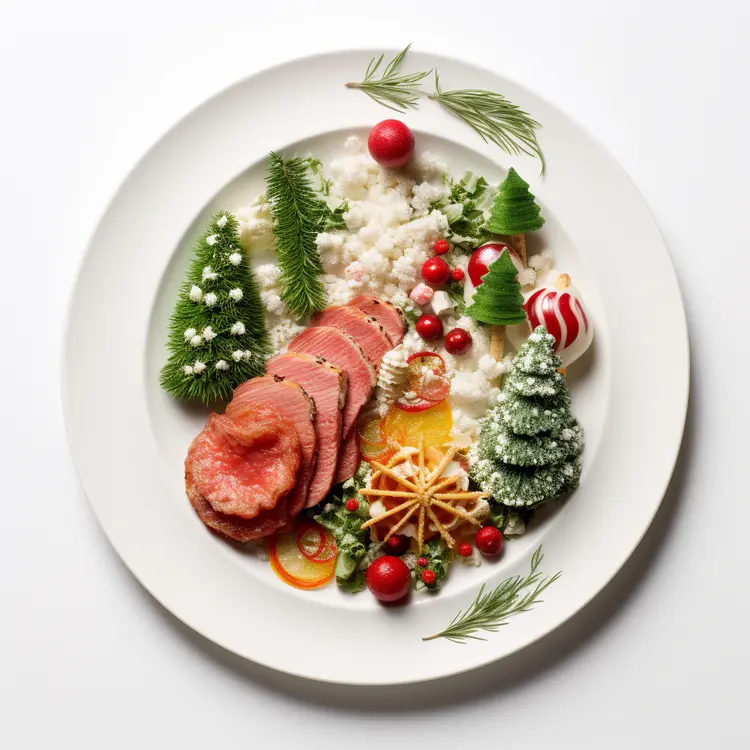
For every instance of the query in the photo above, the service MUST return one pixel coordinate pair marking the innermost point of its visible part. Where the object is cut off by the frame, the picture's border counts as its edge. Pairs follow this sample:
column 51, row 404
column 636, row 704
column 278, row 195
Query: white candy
column 422, row 294
column 442, row 303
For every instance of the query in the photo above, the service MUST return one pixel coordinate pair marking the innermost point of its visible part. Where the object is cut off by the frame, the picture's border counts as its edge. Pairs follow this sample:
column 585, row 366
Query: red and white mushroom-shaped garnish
column 557, row 305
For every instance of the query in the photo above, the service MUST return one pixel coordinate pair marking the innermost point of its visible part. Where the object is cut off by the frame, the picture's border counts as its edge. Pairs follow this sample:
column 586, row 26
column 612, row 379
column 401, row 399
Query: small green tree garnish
column 490, row 114
column 299, row 215
column 498, row 300
column 514, row 210
column 490, row 611
column 218, row 336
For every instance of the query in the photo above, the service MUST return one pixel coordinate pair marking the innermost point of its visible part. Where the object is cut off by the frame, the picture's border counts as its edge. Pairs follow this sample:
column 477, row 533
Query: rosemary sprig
column 397, row 92
column 491, row 115
column 490, row 611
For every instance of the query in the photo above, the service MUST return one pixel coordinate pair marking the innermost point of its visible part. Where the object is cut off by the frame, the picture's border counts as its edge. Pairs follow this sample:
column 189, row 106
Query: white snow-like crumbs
column 196, row 293
column 212, row 239
column 222, row 364
column 236, row 294
column 210, row 299
column 235, row 259
column 237, row 329
column 221, row 223
column 208, row 334
column 209, row 274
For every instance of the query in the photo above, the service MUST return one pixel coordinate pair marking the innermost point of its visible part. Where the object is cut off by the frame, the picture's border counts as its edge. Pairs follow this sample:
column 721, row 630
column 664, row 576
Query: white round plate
column 129, row 439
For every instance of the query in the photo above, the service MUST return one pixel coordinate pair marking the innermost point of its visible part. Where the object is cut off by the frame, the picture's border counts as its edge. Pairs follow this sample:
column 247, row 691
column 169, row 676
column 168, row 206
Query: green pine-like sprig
column 498, row 300
column 208, row 383
column 514, row 210
column 299, row 215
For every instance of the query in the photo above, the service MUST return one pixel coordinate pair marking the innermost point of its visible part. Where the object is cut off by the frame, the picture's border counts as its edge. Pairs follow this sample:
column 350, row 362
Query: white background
column 89, row 660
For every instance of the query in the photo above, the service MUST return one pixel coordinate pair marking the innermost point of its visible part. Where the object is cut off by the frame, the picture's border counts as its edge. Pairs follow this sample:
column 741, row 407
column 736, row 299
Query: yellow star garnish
column 423, row 495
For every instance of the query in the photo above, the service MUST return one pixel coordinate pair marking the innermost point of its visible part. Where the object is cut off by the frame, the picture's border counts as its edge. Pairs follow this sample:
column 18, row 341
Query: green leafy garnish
column 490, row 611
column 439, row 559
column 467, row 208
column 345, row 526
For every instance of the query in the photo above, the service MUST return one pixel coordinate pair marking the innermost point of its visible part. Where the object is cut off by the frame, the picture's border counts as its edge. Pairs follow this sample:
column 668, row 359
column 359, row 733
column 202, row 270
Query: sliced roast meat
column 290, row 401
column 348, row 458
column 385, row 313
column 343, row 352
column 240, row 529
column 326, row 385
column 246, row 465
column 365, row 330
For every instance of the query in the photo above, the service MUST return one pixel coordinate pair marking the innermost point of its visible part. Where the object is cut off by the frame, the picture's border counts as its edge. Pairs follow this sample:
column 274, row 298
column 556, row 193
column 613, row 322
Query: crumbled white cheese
column 442, row 303
column 255, row 223
column 282, row 333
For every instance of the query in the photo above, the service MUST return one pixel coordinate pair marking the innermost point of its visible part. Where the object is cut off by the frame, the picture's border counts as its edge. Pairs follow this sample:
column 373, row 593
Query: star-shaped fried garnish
column 423, row 495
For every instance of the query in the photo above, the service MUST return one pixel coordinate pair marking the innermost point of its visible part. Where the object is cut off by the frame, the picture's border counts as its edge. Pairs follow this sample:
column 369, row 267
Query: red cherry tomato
column 465, row 549
column 435, row 271
column 422, row 562
column 429, row 577
column 458, row 342
column 489, row 541
column 352, row 504
column 457, row 274
column 391, row 143
column 388, row 578
column 441, row 247
column 429, row 327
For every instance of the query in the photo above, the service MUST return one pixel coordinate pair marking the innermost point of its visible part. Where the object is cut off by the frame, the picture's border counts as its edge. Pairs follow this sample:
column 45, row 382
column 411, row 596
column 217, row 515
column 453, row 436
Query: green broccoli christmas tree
column 218, row 337
column 530, row 445
column 498, row 300
column 514, row 210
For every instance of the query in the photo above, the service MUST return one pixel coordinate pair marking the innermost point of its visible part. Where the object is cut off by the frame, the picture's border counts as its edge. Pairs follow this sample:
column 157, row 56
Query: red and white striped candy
column 562, row 313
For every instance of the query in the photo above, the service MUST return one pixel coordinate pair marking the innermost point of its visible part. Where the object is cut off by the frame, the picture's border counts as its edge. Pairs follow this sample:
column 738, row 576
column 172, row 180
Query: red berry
column 391, row 143
column 435, row 271
column 465, row 549
column 458, row 342
column 429, row 577
column 352, row 504
column 482, row 257
column 429, row 327
column 422, row 562
column 489, row 541
column 457, row 274
column 441, row 247
column 388, row 578
column 397, row 544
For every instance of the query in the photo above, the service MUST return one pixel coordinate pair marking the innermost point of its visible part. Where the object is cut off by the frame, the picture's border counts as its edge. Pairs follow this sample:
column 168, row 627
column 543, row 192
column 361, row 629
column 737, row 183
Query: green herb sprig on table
column 490, row 611
column 490, row 114
column 299, row 215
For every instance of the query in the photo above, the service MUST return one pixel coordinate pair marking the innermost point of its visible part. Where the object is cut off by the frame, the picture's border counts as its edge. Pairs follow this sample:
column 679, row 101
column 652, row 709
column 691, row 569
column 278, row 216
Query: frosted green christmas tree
column 514, row 210
column 498, row 299
column 218, row 337
column 530, row 445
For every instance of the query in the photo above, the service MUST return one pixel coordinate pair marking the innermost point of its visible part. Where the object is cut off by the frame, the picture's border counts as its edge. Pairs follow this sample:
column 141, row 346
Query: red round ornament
column 435, row 271
column 465, row 549
column 429, row 327
column 489, row 541
column 429, row 577
column 457, row 274
column 391, row 143
column 397, row 544
column 458, row 342
column 388, row 578
column 352, row 504
column 481, row 258
column 441, row 247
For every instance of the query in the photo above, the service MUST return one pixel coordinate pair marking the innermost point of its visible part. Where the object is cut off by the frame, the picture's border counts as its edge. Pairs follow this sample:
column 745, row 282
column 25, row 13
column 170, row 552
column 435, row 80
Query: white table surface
column 659, row 659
